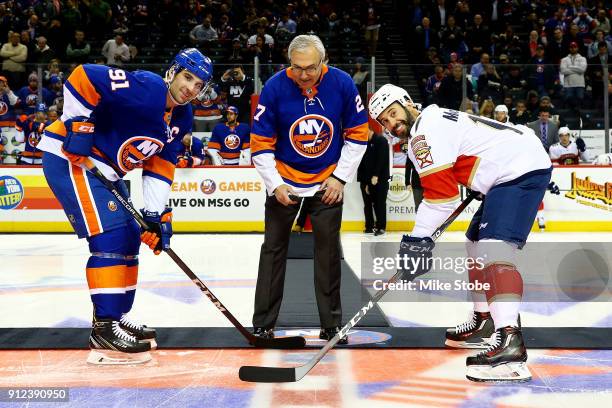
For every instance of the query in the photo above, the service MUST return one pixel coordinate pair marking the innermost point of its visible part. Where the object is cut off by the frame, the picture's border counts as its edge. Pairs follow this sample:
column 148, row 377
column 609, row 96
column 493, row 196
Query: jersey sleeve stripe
column 159, row 168
column 360, row 142
column 259, row 142
column 441, row 185
column 357, row 133
column 246, row 145
column 290, row 174
column 435, row 170
column 106, row 277
column 79, row 84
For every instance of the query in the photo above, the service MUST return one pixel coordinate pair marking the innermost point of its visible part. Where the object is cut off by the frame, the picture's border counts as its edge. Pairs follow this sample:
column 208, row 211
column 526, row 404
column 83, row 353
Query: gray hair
column 301, row 42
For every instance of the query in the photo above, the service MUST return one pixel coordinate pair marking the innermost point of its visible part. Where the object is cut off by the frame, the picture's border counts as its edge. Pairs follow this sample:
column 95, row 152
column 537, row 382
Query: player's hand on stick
column 553, row 188
column 184, row 162
column 415, row 256
column 157, row 237
column 282, row 194
column 334, row 191
column 477, row 196
column 580, row 144
column 79, row 139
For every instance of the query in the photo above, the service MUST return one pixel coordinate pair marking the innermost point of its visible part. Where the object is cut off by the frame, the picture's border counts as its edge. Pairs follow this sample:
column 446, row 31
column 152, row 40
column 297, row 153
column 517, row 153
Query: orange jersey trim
column 81, row 83
column 131, row 275
column 160, row 166
column 106, row 277
column 214, row 145
column 57, row 127
column 7, row 123
column 297, row 176
column 359, row 133
column 89, row 209
column 465, row 169
column 229, row 155
column 440, row 185
column 259, row 143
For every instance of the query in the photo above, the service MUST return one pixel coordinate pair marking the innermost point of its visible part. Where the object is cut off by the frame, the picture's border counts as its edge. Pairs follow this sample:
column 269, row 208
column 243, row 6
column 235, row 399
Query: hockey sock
column 131, row 277
column 478, row 297
column 106, row 280
column 504, row 293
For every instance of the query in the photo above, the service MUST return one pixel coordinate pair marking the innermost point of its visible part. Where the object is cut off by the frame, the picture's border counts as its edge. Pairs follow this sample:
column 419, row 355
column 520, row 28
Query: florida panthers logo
column 231, row 141
column 311, row 135
column 33, row 139
column 3, row 108
column 135, row 150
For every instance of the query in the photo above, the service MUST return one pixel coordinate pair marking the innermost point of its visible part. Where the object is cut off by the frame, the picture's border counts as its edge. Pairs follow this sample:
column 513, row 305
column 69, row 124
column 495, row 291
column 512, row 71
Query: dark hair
column 544, row 110
column 602, row 44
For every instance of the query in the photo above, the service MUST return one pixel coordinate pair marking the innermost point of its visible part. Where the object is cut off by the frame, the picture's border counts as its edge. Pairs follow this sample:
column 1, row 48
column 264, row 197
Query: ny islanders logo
column 311, row 135
column 135, row 150
column 3, row 108
column 33, row 139
column 231, row 141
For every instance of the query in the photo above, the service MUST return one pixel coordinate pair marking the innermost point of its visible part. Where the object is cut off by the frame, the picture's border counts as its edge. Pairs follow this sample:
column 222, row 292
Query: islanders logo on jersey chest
column 3, row 108
column 231, row 141
column 135, row 150
column 311, row 135
column 33, row 138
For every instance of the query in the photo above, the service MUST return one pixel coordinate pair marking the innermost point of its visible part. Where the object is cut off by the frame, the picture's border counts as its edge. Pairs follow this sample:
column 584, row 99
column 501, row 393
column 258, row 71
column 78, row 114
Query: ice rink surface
column 43, row 285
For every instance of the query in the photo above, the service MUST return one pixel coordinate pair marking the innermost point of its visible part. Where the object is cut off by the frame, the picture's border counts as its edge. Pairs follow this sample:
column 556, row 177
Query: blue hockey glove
column 160, row 230
column 580, row 144
column 79, row 139
column 415, row 256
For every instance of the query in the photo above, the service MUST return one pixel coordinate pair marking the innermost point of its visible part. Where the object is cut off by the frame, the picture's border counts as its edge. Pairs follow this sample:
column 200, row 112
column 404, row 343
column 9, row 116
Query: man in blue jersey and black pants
column 309, row 133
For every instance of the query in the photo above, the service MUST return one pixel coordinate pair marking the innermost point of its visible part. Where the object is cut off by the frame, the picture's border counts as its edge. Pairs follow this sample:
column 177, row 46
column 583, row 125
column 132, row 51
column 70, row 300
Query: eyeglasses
column 311, row 70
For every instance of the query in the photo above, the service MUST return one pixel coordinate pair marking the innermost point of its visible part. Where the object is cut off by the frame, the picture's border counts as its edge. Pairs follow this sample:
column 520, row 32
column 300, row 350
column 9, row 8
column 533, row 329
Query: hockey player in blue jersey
column 120, row 120
column 230, row 141
column 29, row 131
column 192, row 153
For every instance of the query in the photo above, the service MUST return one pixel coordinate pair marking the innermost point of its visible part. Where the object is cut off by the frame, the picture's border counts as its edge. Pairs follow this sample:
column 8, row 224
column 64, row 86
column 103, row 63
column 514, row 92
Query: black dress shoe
column 379, row 232
column 263, row 333
column 328, row 334
column 368, row 231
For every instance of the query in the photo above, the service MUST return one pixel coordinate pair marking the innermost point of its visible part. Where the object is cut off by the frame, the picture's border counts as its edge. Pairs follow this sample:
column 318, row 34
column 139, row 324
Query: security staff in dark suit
column 412, row 179
column 373, row 176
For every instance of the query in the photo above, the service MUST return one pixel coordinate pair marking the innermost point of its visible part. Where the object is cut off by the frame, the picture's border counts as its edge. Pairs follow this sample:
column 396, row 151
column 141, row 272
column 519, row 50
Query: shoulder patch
column 421, row 151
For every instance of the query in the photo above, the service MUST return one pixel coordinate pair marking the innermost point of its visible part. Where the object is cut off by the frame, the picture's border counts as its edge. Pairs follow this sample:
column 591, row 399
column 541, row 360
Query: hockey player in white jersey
column 568, row 151
column 509, row 167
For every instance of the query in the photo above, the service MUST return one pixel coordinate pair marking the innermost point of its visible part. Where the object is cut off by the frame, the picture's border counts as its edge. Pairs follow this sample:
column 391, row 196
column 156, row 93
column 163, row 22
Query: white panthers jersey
column 567, row 155
column 449, row 148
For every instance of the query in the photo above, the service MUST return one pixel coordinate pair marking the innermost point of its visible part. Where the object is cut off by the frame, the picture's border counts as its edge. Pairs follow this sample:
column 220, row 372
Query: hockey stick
column 277, row 343
column 282, row 374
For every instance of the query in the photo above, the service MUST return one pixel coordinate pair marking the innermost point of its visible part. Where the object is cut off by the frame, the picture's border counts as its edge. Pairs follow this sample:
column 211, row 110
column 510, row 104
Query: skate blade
column 508, row 372
column 485, row 343
column 151, row 342
column 110, row 357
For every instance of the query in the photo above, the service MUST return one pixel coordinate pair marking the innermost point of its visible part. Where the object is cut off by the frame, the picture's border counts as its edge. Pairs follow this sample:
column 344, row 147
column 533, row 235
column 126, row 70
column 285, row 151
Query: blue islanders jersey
column 7, row 112
column 229, row 141
column 32, row 132
column 28, row 99
column 307, row 131
column 132, row 125
column 195, row 150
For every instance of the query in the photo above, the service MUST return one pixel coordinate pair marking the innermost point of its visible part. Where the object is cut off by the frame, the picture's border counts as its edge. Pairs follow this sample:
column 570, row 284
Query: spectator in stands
column 287, row 24
column 225, row 31
column 432, row 86
column 361, row 76
column 261, row 31
column 556, row 22
column 116, row 51
column 601, row 22
column 203, row 35
column 71, row 17
column 546, row 103
column 520, row 115
column 451, row 38
column 596, row 73
column 426, row 37
column 477, row 36
column 574, row 35
column 31, row 45
column 28, row 95
column 593, row 49
column 584, row 22
column 236, row 89
column 53, row 70
column 439, row 14
column 238, row 53
column 479, row 68
column 464, row 17
column 372, row 27
column 546, row 129
column 100, row 16
column 486, row 108
column 451, row 89
column 14, row 55
column 557, row 47
column 42, row 53
column 573, row 68
column 541, row 73
column 78, row 49
column 489, row 84
column 532, row 45
column 501, row 113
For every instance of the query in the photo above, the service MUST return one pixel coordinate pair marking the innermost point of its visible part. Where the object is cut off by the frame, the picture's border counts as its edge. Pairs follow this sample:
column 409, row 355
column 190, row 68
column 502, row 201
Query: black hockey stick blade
column 293, row 342
column 266, row 374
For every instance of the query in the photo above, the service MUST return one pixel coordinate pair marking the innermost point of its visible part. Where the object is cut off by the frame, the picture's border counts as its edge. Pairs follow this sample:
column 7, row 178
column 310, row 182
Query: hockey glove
column 477, row 197
column 184, row 162
column 553, row 188
column 79, row 139
column 580, row 144
column 160, row 230
column 415, row 256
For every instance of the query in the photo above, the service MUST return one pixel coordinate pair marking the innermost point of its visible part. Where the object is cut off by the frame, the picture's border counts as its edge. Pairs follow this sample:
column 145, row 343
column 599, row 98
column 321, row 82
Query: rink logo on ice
column 594, row 193
column 311, row 135
column 11, row 192
column 208, row 186
column 135, row 150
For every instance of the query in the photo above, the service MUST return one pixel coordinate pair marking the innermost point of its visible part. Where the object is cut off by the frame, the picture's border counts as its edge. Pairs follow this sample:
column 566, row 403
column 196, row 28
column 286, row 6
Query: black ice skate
column 110, row 344
column 328, row 334
column 504, row 361
column 474, row 333
column 140, row 331
column 263, row 333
